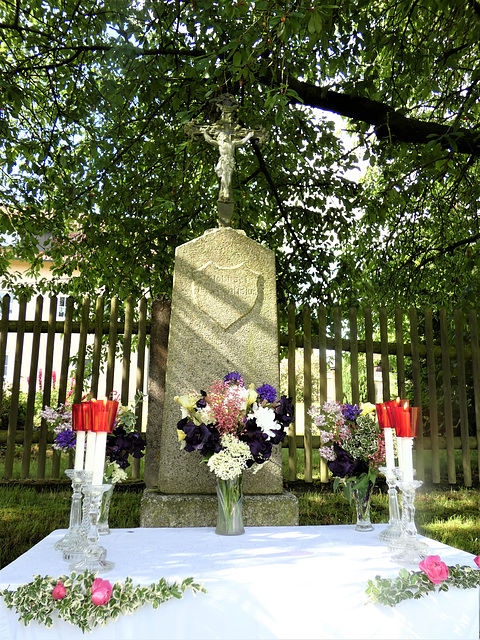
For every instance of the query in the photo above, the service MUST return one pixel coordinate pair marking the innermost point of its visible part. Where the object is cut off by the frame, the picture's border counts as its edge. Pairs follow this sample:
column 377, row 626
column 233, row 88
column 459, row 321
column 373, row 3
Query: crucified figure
column 227, row 136
column 226, row 144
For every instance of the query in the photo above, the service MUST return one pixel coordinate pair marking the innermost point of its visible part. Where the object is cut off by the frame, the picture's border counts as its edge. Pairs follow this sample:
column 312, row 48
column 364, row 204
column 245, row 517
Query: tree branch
column 389, row 124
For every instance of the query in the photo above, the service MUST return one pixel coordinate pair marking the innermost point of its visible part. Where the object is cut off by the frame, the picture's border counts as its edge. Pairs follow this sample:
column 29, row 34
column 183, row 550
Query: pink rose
column 477, row 561
column 101, row 591
column 59, row 591
column 436, row 570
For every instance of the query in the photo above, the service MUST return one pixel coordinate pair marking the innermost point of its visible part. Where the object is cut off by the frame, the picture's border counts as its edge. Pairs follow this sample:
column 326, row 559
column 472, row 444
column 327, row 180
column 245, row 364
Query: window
column 61, row 307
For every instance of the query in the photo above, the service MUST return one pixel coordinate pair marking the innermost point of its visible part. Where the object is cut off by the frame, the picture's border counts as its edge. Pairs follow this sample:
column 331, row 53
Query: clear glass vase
column 229, row 518
column 103, row 528
column 362, row 498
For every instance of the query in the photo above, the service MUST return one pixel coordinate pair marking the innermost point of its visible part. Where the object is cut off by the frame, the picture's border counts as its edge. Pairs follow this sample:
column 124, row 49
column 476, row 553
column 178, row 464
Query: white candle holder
column 74, row 542
column 394, row 529
column 94, row 555
column 407, row 549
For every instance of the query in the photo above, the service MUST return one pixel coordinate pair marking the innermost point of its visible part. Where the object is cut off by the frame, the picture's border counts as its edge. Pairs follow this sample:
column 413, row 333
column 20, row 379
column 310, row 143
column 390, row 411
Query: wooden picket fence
column 89, row 323
column 435, row 353
column 440, row 346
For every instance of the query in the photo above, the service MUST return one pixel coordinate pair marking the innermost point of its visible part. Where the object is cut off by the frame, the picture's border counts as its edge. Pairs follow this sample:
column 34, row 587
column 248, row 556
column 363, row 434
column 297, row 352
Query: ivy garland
column 416, row 584
column 34, row 601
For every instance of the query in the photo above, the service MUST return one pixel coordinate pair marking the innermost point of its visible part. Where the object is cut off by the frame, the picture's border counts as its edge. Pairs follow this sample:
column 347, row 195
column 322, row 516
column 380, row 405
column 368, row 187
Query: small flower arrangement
column 122, row 443
column 233, row 426
column 60, row 419
column 434, row 575
column 86, row 601
column 351, row 442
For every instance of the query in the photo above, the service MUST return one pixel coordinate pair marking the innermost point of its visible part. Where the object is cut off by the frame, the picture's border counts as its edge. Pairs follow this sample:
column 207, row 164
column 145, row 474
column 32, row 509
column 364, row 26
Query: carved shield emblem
column 225, row 294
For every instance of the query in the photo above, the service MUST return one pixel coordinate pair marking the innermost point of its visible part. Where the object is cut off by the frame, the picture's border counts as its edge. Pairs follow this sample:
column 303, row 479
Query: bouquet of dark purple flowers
column 351, row 443
column 125, row 441
column 233, row 426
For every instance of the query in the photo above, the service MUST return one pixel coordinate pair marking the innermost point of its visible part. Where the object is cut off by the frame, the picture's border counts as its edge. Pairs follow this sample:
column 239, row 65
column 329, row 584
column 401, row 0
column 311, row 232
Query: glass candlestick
column 407, row 549
column 94, row 555
column 74, row 543
column 394, row 529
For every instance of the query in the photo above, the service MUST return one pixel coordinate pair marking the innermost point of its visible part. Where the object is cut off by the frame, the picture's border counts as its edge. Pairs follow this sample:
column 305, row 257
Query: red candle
column 104, row 414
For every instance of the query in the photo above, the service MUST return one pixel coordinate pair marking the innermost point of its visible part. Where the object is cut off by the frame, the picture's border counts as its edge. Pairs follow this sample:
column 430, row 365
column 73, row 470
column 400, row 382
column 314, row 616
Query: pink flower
column 101, row 591
column 477, row 561
column 436, row 570
column 59, row 592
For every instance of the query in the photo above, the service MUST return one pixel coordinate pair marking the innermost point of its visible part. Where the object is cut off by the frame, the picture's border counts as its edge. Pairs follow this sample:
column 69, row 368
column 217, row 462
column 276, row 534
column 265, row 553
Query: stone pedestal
column 223, row 319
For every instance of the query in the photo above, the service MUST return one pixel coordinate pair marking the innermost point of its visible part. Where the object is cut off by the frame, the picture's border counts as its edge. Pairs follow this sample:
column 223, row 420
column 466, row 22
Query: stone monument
column 223, row 319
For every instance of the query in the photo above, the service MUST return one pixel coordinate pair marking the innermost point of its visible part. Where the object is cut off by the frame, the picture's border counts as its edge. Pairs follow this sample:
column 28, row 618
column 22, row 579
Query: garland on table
column 86, row 601
column 435, row 575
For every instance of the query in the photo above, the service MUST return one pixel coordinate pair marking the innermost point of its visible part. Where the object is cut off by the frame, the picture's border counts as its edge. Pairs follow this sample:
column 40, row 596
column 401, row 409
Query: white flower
column 265, row 418
column 231, row 460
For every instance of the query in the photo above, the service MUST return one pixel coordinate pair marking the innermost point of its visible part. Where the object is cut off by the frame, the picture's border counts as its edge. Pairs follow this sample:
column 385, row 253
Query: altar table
column 271, row 582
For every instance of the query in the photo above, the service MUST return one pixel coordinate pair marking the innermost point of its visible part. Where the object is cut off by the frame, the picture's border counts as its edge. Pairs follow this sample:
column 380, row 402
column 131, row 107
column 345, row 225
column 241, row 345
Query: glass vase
column 103, row 528
column 229, row 517
column 362, row 498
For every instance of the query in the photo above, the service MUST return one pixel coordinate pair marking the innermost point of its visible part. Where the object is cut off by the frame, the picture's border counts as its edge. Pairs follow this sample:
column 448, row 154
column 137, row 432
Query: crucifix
column 227, row 135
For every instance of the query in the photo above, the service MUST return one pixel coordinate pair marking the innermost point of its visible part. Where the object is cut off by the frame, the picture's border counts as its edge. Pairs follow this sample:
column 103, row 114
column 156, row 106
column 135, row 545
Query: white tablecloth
column 271, row 582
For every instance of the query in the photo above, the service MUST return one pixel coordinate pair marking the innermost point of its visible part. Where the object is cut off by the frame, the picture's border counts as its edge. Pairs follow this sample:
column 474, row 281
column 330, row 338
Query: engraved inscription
column 225, row 294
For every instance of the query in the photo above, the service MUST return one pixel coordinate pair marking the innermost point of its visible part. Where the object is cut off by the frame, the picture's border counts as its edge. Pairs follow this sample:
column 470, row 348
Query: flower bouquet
column 353, row 446
column 234, row 428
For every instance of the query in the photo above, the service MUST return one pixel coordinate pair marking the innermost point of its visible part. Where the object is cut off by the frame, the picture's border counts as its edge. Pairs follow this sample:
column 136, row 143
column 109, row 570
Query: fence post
column 12, row 421
column 447, row 390
column 400, row 353
column 369, row 355
column 3, row 341
column 140, row 379
column 292, row 392
column 97, row 346
column 476, row 375
column 462, row 398
column 112, row 346
column 307, row 392
column 432, row 397
column 385, row 362
column 354, row 356
column 32, row 386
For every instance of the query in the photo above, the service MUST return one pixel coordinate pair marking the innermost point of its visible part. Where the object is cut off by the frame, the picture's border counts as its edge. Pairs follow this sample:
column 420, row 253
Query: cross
column 227, row 135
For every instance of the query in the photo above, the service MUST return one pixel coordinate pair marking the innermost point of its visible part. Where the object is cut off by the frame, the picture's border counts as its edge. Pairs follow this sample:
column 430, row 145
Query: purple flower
column 266, row 392
column 234, row 378
column 284, row 412
column 121, row 445
column 351, row 412
column 66, row 439
column 202, row 403
column 200, row 437
column 344, row 465
column 259, row 443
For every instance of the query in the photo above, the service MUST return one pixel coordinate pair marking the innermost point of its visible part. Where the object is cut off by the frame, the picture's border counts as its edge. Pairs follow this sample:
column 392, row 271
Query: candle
column 81, row 423
column 407, row 444
column 384, row 423
column 79, row 451
column 104, row 414
column 99, row 459
column 406, row 421
column 90, row 453
column 389, row 448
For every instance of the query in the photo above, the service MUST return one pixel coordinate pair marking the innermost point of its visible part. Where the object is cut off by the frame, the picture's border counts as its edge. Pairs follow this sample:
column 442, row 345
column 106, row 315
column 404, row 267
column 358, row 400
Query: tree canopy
column 93, row 153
